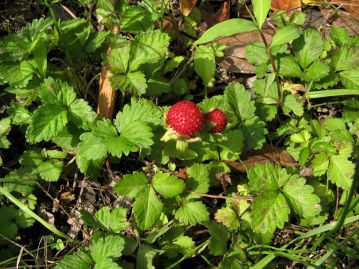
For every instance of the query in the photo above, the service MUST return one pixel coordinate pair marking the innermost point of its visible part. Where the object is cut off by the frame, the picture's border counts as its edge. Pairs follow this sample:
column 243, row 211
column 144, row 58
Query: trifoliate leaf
column 82, row 114
column 267, row 177
column 240, row 101
column 341, row 171
column 132, row 184
column 143, row 110
column 228, row 217
column 147, row 208
column 149, row 47
column 92, row 147
column 145, row 256
column 291, row 104
column 198, row 179
column 308, row 47
column 50, row 170
column 107, row 246
column 47, row 122
column 254, row 133
column 301, row 198
column 79, row 259
column 288, row 67
column 204, row 64
column 350, row 78
column 269, row 211
column 114, row 220
column 345, row 58
column 329, row 81
column 256, row 53
column 168, row 186
column 316, row 71
column 285, row 35
column 219, row 237
column 90, row 168
column 192, row 213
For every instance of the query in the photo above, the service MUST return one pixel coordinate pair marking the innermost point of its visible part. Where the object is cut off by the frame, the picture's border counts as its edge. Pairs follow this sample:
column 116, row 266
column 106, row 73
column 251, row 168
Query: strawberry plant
column 124, row 145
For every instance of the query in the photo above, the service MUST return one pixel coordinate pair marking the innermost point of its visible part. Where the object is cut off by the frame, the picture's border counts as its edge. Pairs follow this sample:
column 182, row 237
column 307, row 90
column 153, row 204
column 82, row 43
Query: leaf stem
column 238, row 197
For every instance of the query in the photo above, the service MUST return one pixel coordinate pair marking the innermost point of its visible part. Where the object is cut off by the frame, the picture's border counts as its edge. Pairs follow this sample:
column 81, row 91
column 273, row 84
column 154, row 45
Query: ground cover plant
column 125, row 143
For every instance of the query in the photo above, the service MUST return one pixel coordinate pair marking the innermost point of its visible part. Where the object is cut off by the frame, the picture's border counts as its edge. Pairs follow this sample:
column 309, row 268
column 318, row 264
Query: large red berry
column 185, row 118
column 218, row 119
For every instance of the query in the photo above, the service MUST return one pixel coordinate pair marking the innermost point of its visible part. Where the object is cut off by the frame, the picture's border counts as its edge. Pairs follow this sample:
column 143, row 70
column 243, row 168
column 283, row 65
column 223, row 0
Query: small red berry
column 218, row 119
column 185, row 118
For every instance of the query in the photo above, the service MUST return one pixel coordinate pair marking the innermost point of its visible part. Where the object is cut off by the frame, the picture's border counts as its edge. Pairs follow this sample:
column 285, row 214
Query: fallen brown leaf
column 267, row 154
column 214, row 12
column 186, row 6
column 286, row 5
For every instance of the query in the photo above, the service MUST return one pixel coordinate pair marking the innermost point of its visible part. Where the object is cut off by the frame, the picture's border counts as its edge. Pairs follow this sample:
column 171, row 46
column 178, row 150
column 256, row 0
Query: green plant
column 157, row 215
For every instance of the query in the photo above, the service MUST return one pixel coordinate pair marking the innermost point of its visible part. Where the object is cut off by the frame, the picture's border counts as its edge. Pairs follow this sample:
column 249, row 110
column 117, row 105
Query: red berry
column 218, row 119
column 185, row 118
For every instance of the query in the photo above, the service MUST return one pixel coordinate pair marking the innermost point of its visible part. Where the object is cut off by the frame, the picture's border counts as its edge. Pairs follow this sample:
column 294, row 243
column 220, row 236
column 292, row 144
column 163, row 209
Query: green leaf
column 350, row 78
column 240, row 101
column 56, row 92
column 256, row 53
column 106, row 263
column 290, row 104
column 340, row 35
column 50, row 170
column 95, row 41
column 316, row 71
column 254, row 133
column 114, row 220
column 142, row 110
column 219, row 237
column 168, row 186
column 107, row 246
column 260, row 10
column 192, row 213
column 301, row 198
column 139, row 133
column 47, row 122
column 68, row 138
column 147, row 208
column 204, row 64
column 132, row 184
column 82, row 114
column 17, row 75
column 90, row 168
column 145, row 256
column 288, row 67
column 267, row 177
column 133, row 83
column 231, row 144
column 148, row 47
column 345, row 58
column 320, row 164
column 198, row 179
column 91, row 147
column 79, row 260
column 285, row 35
column 226, row 28
column 228, row 217
column 120, row 57
column 19, row 115
column 269, row 211
column 184, row 245
column 266, row 90
column 119, row 145
column 341, row 171
column 308, row 47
